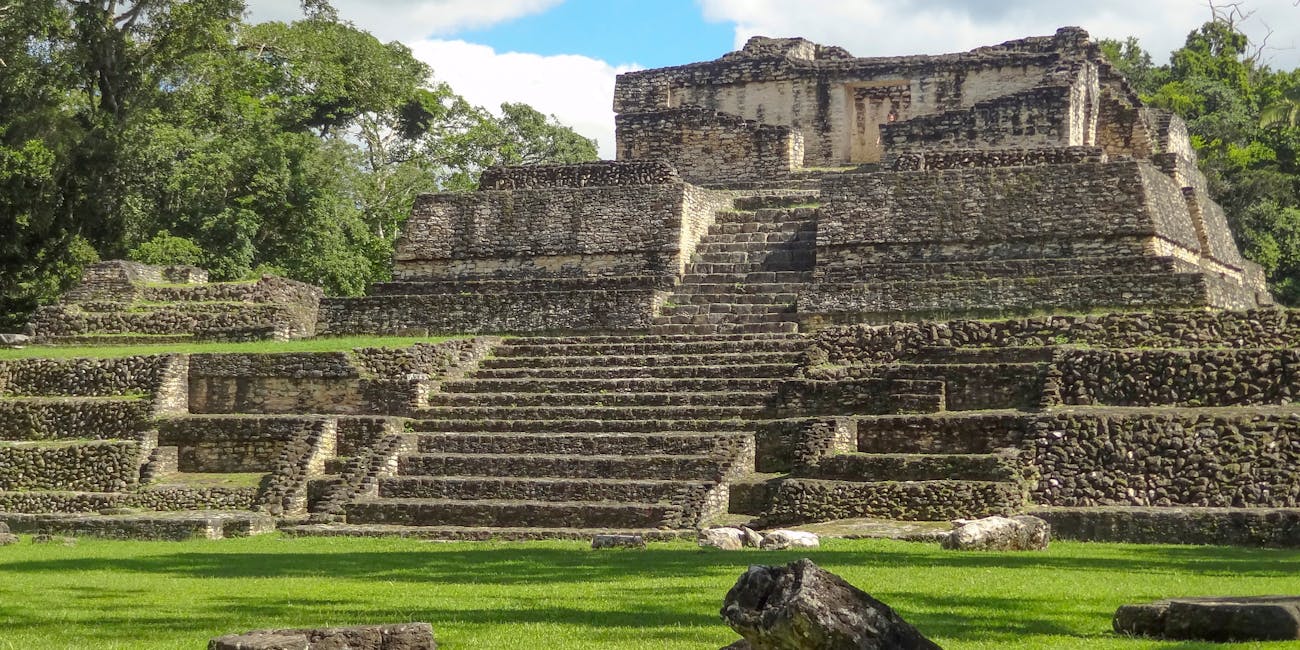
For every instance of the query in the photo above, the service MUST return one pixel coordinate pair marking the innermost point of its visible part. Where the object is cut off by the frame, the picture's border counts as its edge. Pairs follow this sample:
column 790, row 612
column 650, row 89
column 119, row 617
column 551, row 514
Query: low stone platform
column 1272, row 527
column 476, row 534
column 405, row 636
column 152, row 526
column 1218, row 619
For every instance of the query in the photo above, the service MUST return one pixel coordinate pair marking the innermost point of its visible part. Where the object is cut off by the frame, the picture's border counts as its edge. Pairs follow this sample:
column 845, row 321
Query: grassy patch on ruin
column 105, row 595
column 322, row 344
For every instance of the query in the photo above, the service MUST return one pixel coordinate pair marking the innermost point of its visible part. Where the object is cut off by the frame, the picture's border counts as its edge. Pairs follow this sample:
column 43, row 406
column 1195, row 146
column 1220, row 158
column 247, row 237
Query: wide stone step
column 916, row 467
column 586, row 422
column 611, row 385
column 480, row 533
column 646, row 466
column 678, row 442
column 795, row 279
column 646, row 360
column 779, row 264
column 689, row 297
column 598, row 399
column 692, row 348
column 451, row 512
column 532, row 489
column 799, row 500
column 738, row 371
column 715, row 247
column 641, row 339
column 572, row 412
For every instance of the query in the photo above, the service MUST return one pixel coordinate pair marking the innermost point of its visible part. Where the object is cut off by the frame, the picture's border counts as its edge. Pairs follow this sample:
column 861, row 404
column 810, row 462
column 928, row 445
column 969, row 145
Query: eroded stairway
column 747, row 271
column 563, row 437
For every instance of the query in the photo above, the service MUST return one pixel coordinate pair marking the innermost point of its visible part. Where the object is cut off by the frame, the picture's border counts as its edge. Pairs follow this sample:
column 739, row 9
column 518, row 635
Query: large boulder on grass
column 1020, row 533
column 800, row 606
column 727, row 539
column 1217, row 619
column 778, row 540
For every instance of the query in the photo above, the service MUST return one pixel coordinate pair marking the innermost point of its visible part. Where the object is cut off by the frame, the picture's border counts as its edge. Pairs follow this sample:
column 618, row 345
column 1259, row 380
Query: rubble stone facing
column 107, row 466
column 1218, row 619
column 405, row 636
column 1255, row 527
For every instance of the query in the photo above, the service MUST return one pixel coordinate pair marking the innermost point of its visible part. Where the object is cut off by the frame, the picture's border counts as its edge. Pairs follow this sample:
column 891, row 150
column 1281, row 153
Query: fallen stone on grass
column 800, row 606
column 727, row 539
column 404, row 636
column 54, row 539
column 750, row 537
column 777, row 540
column 1019, row 533
column 8, row 539
column 14, row 340
column 1221, row 620
column 618, row 541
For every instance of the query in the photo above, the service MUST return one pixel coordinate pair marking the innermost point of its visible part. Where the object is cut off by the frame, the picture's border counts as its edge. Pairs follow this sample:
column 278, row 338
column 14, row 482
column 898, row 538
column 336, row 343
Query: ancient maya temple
column 811, row 287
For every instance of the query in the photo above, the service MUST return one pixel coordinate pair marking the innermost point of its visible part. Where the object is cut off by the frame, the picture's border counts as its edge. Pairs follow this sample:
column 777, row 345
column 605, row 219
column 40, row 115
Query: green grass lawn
column 323, row 344
column 101, row 594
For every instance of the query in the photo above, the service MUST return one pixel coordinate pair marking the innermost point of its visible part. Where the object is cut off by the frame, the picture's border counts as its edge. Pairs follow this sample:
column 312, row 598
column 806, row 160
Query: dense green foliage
column 116, row 595
column 1242, row 116
column 156, row 128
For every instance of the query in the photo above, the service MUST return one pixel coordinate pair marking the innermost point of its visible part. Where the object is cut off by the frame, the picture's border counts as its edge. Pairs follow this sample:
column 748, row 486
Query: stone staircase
column 746, row 272
column 567, row 436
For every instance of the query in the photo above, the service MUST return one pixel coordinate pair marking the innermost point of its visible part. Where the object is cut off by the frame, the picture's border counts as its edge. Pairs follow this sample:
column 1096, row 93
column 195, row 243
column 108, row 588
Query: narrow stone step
column 646, row 360
column 788, row 278
column 778, row 264
column 916, row 467
column 585, row 423
column 735, row 227
column 533, row 489
column 724, row 318
column 738, row 309
column 679, row 328
column 611, row 385
column 799, row 500
column 689, row 296
column 647, row 466
column 738, row 371
column 692, row 348
column 784, row 199
column 766, row 238
column 508, row 513
column 480, row 533
column 601, row 399
column 741, row 289
column 665, row 442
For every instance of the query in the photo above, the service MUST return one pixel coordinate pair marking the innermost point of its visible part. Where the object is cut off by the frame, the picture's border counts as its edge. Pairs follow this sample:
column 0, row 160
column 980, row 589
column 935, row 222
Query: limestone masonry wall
column 711, row 147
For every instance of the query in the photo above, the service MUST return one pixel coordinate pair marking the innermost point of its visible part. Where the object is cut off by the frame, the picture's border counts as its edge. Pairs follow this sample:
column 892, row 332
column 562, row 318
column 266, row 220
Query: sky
column 561, row 56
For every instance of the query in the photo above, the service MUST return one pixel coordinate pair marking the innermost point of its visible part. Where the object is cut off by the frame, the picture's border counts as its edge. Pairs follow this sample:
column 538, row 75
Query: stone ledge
column 152, row 526
column 1273, row 527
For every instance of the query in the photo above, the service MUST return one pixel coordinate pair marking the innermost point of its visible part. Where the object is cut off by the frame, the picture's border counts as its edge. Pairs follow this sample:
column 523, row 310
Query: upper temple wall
column 1041, row 91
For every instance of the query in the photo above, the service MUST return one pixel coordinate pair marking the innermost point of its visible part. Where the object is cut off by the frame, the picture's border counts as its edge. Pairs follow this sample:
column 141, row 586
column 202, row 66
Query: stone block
column 618, row 541
column 1216, row 619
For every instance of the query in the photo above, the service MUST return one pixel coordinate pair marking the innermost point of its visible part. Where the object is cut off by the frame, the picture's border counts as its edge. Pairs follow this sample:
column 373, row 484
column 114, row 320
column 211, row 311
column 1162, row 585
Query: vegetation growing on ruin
column 173, row 131
column 108, row 595
column 1240, row 114
column 322, row 344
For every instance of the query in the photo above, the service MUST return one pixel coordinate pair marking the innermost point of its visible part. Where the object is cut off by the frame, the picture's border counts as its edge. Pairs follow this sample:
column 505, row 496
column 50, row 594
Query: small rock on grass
column 54, row 539
column 7, row 539
column 618, row 541
column 777, row 540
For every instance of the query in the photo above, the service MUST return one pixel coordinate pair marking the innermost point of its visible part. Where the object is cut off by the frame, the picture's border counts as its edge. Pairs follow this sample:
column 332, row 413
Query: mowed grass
column 102, row 594
column 323, row 344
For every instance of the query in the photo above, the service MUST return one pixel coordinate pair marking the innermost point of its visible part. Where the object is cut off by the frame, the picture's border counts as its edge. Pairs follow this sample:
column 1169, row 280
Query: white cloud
column 891, row 27
column 410, row 20
column 578, row 90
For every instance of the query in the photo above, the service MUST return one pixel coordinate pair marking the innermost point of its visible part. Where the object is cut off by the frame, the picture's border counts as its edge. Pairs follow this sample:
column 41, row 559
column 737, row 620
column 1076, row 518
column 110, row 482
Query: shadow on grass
column 467, row 579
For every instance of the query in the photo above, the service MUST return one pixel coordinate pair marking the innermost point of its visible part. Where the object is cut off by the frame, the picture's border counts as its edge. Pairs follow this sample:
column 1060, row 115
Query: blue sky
column 650, row 33
column 561, row 56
